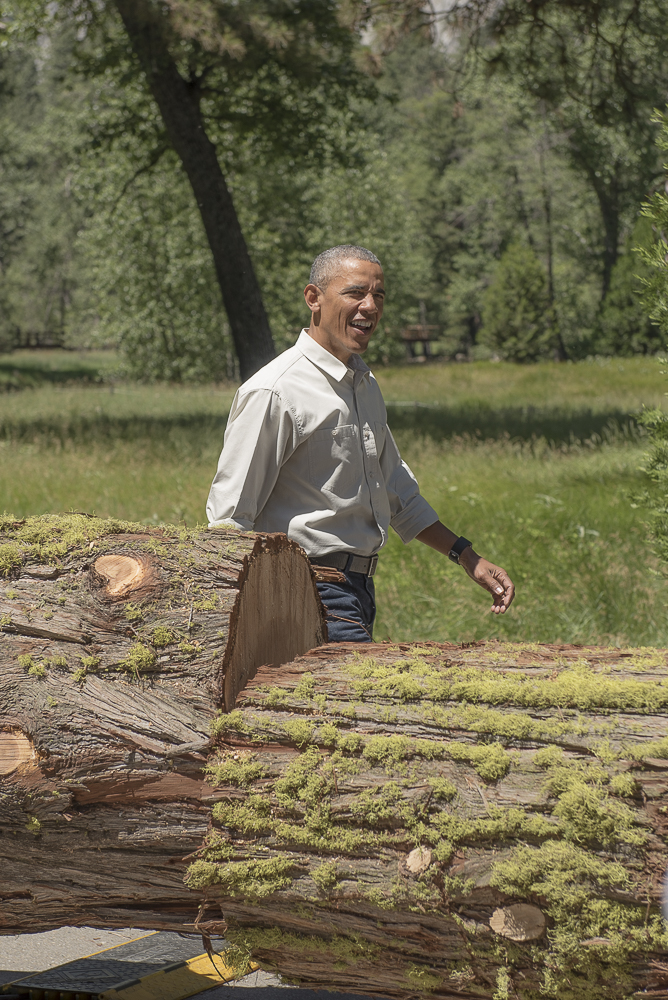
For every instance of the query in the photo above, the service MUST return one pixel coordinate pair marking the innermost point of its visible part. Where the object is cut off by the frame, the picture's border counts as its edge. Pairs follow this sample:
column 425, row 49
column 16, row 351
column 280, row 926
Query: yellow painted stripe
column 194, row 976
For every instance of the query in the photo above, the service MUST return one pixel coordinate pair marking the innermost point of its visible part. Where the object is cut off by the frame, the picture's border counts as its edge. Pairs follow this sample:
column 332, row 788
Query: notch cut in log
column 361, row 816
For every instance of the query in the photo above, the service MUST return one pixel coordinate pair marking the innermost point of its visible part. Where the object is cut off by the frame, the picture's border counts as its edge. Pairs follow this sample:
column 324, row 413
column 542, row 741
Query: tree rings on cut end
column 15, row 749
column 519, row 922
column 122, row 575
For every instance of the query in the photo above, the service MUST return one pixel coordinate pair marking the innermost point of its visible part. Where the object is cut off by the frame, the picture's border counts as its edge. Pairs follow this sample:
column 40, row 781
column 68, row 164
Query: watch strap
column 458, row 547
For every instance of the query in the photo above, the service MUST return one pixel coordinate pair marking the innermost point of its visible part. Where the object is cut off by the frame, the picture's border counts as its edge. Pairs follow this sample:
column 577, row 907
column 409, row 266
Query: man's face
column 348, row 311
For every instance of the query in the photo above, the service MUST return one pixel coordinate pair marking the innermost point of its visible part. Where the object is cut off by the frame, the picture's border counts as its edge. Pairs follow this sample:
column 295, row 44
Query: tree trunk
column 477, row 821
column 183, row 121
column 560, row 352
column 607, row 193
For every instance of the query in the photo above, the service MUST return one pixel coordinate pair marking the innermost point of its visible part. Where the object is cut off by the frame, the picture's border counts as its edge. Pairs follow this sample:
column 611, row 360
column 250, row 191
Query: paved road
column 36, row 952
column 26, row 953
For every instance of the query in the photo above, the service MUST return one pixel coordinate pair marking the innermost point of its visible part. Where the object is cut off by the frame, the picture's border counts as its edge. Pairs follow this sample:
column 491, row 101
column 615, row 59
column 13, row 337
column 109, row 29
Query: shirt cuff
column 229, row 522
column 413, row 519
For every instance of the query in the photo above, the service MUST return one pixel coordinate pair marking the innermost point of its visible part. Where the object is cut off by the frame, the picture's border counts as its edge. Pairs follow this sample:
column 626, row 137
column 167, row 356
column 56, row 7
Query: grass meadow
column 537, row 464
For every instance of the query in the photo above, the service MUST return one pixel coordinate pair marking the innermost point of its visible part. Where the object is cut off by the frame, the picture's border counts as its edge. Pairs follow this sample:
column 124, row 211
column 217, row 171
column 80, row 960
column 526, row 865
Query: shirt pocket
column 335, row 462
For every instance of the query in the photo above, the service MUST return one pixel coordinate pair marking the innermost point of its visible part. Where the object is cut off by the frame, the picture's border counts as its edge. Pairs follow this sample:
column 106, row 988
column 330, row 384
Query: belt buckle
column 373, row 563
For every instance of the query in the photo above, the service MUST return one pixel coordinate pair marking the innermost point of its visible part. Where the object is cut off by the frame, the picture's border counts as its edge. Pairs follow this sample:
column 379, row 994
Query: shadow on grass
column 16, row 374
column 190, row 431
column 196, row 431
column 521, row 423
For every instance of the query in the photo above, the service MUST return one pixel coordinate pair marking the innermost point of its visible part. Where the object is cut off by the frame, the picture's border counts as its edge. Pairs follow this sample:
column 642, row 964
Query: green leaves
column 516, row 309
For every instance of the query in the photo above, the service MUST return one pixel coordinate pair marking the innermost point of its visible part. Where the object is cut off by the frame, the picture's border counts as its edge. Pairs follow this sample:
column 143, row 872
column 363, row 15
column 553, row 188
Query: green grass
column 80, row 401
column 562, row 525
column 31, row 369
column 599, row 384
column 560, row 402
column 556, row 515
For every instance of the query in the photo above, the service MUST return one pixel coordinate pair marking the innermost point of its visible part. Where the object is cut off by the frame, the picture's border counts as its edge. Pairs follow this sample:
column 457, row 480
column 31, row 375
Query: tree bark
column 181, row 115
column 478, row 821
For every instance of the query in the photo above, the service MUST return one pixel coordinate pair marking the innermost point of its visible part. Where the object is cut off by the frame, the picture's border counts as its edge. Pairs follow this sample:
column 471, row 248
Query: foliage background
column 441, row 163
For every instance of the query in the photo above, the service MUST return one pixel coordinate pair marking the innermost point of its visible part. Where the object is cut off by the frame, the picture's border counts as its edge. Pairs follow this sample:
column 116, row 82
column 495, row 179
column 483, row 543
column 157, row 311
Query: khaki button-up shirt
column 308, row 452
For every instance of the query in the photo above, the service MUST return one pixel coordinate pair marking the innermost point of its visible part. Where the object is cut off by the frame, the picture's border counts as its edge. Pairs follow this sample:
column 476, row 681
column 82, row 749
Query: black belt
column 348, row 562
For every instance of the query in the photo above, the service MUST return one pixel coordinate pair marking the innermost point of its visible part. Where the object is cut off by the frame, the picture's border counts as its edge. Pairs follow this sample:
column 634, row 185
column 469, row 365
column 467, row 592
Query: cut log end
column 114, row 639
column 122, row 575
column 277, row 614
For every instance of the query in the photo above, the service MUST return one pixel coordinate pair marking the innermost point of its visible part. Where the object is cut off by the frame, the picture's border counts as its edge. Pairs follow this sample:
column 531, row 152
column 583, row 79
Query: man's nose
column 368, row 303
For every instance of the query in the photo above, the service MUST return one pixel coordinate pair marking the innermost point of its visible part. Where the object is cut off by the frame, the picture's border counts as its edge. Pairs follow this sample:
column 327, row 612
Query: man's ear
column 313, row 296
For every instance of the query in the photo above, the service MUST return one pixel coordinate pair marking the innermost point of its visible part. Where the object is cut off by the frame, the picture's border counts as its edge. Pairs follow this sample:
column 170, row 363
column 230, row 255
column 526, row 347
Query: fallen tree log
column 479, row 821
column 118, row 645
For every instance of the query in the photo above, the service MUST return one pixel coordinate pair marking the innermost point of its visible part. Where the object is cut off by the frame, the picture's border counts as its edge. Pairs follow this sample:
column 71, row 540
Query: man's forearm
column 438, row 537
column 491, row 578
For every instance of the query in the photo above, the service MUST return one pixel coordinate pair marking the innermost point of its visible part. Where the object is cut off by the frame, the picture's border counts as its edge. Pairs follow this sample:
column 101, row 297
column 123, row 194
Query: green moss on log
column 51, row 537
column 593, row 939
column 162, row 637
column 348, row 950
column 250, row 879
column 239, row 768
column 325, row 876
column 140, row 658
column 353, row 783
column 577, row 686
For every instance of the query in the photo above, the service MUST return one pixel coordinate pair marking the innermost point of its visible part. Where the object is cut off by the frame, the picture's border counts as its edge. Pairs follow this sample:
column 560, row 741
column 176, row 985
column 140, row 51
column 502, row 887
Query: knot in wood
column 519, row 922
column 122, row 575
column 15, row 749
column 418, row 860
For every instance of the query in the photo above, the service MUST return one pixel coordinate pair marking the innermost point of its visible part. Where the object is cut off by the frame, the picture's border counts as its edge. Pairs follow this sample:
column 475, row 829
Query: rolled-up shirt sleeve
column 410, row 512
column 261, row 434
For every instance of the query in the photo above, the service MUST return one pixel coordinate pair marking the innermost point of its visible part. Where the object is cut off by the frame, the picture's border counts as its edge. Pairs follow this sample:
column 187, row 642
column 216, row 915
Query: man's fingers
column 505, row 596
column 499, row 584
column 496, row 581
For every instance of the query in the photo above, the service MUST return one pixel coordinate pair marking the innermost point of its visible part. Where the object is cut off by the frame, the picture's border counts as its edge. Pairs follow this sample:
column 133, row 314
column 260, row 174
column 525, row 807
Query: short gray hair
column 326, row 264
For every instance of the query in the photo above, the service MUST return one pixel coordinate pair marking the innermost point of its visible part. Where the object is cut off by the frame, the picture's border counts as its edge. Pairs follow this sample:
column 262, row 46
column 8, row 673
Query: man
column 308, row 452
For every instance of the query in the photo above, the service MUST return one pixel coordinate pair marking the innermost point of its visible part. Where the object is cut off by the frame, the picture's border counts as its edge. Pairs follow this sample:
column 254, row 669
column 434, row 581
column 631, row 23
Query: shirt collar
column 312, row 350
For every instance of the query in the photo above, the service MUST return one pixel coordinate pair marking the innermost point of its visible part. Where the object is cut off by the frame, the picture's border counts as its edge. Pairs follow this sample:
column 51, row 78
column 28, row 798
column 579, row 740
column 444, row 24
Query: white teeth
column 364, row 325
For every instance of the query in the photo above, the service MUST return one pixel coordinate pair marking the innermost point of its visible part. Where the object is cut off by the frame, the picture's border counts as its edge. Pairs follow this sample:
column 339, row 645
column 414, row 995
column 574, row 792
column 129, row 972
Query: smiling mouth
column 363, row 325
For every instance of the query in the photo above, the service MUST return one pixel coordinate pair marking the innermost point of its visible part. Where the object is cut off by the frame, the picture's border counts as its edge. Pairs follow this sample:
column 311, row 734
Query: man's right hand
column 488, row 576
column 492, row 578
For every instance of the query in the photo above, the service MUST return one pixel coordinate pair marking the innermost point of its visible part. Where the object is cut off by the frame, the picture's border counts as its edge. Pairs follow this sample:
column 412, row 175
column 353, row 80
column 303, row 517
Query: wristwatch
column 458, row 547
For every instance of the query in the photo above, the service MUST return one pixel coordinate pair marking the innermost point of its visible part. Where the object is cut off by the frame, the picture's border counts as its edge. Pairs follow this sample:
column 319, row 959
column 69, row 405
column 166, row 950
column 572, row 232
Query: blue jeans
column 351, row 608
